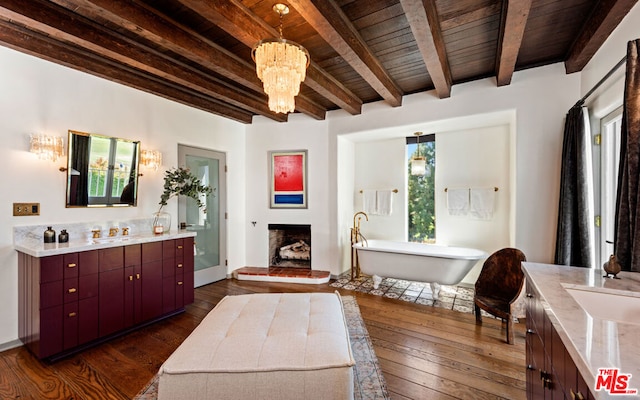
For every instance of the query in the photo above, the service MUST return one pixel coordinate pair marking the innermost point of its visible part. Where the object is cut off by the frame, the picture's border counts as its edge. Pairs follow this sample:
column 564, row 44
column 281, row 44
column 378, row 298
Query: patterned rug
column 369, row 384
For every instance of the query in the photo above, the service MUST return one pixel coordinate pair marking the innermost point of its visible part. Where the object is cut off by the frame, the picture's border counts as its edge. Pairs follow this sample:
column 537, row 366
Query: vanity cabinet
column 551, row 372
column 68, row 301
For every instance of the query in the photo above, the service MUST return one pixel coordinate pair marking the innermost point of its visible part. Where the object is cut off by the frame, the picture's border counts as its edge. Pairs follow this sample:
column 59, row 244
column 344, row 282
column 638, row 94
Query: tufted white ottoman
column 264, row 346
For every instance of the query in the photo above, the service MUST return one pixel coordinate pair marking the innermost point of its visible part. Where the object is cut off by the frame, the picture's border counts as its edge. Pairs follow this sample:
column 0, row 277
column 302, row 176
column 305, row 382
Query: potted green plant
column 178, row 182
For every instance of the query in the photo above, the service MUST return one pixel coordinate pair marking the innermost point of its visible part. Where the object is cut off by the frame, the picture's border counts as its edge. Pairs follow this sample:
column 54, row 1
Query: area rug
column 369, row 384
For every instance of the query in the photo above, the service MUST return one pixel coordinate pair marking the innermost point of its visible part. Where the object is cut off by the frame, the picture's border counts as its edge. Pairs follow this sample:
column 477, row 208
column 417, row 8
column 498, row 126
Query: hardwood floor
column 424, row 352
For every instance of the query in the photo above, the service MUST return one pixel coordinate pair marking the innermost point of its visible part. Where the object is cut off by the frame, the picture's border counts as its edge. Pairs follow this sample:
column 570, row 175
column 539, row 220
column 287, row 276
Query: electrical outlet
column 22, row 209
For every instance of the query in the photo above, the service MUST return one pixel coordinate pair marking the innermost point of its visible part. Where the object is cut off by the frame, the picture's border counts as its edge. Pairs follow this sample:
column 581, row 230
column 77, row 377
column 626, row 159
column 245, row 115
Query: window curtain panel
column 627, row 237
column 574, row 242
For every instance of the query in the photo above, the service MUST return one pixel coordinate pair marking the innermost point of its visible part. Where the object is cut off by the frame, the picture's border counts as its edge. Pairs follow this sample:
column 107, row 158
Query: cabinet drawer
column 151, row 252
column 109, row 259
column 88, row 262
column 70, row 262
column 70, row 326
column 70, row 290
column 168, row 249
column 51, row 269
column 132, row 255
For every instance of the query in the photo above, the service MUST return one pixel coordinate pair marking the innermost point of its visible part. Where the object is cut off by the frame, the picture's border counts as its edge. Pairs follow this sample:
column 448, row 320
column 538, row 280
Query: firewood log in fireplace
column 296, row 251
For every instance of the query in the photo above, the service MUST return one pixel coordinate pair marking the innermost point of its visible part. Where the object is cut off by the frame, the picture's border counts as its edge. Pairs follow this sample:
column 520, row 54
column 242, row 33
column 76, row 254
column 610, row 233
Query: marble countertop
column 34, row 246
column 592, row 342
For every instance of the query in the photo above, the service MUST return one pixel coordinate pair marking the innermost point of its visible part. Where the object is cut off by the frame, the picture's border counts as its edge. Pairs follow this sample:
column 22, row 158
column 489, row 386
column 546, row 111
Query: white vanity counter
column 29, row 239
column 594, row 331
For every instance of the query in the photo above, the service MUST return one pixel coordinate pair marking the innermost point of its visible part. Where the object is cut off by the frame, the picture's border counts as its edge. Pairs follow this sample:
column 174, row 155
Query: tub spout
column 356, row 225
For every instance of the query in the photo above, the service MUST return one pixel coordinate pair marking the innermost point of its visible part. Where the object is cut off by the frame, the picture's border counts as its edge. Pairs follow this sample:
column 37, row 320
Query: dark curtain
column 627, row 238
column 80, row 163
column 573, row 241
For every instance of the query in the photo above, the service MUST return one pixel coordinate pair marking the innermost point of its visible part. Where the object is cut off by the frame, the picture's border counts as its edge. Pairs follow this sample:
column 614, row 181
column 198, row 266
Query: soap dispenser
column 49, row 235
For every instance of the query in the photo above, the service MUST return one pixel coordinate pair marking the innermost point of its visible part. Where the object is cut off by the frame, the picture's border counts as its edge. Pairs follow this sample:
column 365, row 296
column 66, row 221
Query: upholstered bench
column 264, row 346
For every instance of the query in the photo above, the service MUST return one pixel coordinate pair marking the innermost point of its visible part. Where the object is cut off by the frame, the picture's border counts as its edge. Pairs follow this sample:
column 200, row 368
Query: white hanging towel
column 482, row 202
column 384, row 202
column 369, row 200
column 458, row 201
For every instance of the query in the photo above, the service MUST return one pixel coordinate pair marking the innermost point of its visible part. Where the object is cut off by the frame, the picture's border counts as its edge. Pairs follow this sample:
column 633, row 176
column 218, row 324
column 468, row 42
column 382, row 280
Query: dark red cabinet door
column 111, row 301
column 151, row 289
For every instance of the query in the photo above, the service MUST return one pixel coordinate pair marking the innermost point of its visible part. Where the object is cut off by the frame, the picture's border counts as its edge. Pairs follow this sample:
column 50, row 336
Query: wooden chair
column 499, row 285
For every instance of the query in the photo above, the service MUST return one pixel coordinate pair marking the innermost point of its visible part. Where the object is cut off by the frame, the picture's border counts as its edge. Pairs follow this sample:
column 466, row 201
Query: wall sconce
column 151, row 159
column 47, row 147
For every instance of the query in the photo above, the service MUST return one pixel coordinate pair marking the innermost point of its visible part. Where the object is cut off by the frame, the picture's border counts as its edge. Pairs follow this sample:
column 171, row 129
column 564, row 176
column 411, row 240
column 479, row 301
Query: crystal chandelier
column 281, row 66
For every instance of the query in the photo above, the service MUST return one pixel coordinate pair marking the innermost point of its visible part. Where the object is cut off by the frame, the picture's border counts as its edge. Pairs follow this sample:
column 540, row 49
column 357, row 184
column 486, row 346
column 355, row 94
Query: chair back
column 501, row 276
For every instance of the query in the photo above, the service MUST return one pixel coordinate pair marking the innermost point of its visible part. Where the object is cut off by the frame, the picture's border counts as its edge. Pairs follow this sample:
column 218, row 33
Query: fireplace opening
column 290, row 246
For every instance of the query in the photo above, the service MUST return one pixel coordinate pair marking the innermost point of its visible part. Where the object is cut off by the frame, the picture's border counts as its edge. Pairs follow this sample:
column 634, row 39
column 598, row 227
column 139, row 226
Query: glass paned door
column 210, row 226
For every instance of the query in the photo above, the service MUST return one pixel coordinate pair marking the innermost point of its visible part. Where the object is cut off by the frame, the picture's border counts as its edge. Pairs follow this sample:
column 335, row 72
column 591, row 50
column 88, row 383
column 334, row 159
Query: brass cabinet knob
column 137, row 276
column 72, row 290
column 180, row 283
column 179, row 265
column 130, row 277
column 72, row 314
column 71, row 265
column 179, row 246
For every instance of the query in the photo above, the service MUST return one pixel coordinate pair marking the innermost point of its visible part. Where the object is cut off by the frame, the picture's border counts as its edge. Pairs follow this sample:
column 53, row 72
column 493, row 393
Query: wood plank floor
column 424, row 352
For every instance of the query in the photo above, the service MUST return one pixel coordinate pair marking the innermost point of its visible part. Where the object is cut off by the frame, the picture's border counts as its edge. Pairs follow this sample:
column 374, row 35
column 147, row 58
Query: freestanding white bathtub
column 438, row 265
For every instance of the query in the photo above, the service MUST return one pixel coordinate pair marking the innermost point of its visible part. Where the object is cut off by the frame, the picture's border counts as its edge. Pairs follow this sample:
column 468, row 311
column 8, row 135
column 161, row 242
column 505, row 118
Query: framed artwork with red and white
column 288, row 179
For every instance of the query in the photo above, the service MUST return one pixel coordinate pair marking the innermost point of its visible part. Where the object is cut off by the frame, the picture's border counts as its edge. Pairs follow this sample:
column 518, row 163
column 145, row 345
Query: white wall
column 40, row 97
column 382, row 164
column 477, row 158
column 300, row 133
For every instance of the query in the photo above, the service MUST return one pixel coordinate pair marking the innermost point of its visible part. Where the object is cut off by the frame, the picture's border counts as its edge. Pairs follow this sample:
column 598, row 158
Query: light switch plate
column 22, row 209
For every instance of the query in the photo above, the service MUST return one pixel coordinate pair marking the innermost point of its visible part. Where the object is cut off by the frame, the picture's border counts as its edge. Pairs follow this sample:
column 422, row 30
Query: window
column 110, row 169
column 610, row 128
column 421, row 190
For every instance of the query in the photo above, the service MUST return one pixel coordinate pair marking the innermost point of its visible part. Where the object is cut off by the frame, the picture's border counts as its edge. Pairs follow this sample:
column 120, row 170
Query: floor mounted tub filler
column 436, row 264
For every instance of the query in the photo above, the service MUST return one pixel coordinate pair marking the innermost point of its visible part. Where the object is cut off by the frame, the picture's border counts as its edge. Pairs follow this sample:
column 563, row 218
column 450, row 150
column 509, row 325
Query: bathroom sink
column 608, row 305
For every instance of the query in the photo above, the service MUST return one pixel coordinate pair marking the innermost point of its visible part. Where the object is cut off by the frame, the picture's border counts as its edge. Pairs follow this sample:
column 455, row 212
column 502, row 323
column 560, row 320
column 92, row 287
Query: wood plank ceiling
column 198, row 52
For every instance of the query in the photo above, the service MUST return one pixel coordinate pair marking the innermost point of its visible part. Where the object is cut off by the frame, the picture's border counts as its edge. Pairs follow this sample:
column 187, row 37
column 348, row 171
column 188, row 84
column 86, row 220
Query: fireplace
column 290, row 246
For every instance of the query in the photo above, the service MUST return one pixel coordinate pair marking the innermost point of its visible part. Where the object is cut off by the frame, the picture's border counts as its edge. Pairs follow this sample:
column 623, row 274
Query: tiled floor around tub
column 457, row 298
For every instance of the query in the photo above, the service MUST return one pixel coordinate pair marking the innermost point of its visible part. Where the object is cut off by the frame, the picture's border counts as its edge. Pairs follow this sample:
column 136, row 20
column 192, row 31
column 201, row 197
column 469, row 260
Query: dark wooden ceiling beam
column 328, row 19
column 237, row 20
column 515, row 14
column 423, row 20
column 64, row 25
column 137, row 18
column 603, row 20
column 50, row 49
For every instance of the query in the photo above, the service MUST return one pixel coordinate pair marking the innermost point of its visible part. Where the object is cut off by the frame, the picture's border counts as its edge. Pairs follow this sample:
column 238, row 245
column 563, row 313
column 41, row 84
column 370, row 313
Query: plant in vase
column 178, row 182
